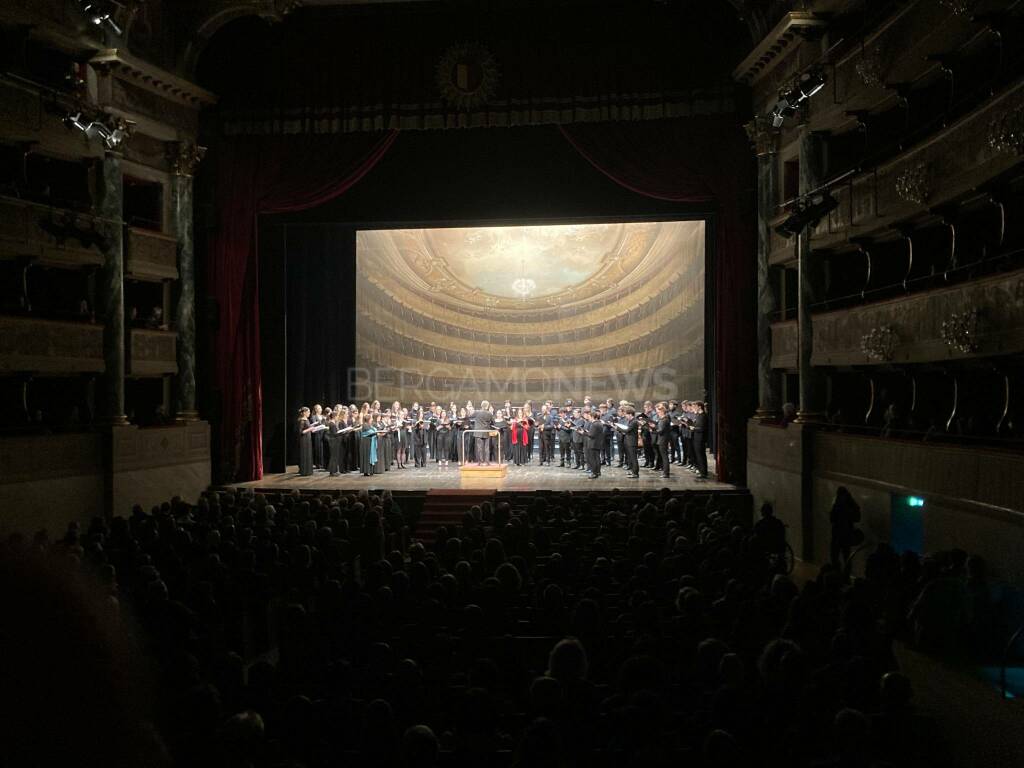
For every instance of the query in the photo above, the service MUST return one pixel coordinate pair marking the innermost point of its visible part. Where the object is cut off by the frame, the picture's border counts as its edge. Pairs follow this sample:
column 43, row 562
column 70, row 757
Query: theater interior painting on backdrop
column 517, row 312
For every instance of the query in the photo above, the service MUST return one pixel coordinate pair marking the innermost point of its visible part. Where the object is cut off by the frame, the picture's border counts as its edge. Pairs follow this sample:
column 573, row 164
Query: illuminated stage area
column 521, row 478
column 531, row 312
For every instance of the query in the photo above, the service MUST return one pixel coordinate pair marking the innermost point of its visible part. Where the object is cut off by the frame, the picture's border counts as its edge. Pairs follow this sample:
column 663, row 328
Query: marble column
column 185, row 157
column 110, row 289
column 765, row 139
column 812, row 386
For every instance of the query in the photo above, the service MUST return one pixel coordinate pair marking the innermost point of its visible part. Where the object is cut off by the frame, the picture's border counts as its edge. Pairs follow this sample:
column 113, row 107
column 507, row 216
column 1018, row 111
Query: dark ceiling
column 388, row 51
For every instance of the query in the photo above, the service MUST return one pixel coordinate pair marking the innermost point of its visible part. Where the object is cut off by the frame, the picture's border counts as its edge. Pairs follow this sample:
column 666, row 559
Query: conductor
column 483, row 419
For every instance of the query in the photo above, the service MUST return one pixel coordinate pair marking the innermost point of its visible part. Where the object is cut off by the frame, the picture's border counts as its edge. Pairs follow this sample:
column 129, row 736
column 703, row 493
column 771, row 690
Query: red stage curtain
column 255, row 175
column 701, row 160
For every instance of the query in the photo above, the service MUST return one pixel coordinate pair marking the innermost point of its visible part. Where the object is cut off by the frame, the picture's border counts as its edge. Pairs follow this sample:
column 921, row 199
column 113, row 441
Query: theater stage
column 528, row 477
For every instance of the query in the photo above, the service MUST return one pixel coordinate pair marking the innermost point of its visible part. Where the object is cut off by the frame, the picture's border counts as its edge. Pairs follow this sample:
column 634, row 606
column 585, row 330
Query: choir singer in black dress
column 305, row 443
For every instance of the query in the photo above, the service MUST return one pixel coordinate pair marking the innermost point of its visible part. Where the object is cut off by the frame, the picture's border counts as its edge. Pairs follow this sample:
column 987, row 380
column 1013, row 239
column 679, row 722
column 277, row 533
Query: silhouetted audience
column 265, row 630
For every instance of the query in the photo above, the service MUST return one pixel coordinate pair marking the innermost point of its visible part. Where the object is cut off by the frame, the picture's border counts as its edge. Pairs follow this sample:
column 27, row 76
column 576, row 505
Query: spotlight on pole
column 809, row 212
column 793, row 97
column 101, row 12
column 112, row 137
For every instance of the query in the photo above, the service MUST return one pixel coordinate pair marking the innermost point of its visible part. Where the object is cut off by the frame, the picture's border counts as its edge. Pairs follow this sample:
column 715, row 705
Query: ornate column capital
column 764, row 138
column 184, row 157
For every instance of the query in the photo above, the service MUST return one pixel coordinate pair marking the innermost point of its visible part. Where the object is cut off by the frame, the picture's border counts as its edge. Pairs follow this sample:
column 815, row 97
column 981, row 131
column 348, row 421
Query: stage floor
column 528, row 477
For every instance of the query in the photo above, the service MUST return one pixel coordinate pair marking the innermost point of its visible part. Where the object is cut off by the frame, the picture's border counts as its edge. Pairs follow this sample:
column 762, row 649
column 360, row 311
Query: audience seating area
column 544, row 630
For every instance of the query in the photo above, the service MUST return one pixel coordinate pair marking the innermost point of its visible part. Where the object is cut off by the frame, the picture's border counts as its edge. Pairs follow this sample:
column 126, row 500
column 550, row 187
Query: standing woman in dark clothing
column 344, row 438
column 444, row 438
column 404, row 438
column 460, row 442
column 352, row 439
column 305, row 443
column 315, row 420
column 530, row 424
column 501, row 421
column 333, row 444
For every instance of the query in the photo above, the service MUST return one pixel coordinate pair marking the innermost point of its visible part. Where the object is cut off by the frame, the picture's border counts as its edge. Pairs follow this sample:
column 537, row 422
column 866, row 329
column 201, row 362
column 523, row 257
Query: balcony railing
column 916, row 322
column 51, row 235
column 152, row 353
column 151, row 255
column 29, row 344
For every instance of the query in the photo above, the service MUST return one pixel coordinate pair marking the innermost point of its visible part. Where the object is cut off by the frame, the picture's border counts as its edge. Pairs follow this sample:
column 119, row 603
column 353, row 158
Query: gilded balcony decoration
column 958, row 7
column 912, row 184
column 869, row 67
column 1006, row 132
column 961, row 331
column 879, row 343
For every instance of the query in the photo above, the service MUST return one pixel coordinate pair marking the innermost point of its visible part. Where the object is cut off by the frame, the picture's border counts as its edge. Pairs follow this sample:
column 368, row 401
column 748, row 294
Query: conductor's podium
column 482, row 471
column 471, row 470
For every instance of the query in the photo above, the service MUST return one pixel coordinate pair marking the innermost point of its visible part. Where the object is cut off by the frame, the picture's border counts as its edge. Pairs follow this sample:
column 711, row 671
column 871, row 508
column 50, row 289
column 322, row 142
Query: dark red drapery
column 701, row 160
column 257, row 175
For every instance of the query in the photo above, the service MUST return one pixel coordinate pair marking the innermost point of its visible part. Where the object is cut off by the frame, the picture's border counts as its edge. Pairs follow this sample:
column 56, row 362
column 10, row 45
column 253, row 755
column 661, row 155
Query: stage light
column 809, row 212
column 790, row 99
column 101, row 12
column 112, row 137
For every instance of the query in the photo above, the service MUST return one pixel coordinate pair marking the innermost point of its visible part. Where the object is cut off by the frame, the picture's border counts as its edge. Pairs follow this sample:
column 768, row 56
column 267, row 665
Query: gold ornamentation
column 1006, row 132
column 879, row 343
column 467, row 76
column 185, row 157
column 957, row 7
column 960, row 331
column 912, row 184
column 869, row 67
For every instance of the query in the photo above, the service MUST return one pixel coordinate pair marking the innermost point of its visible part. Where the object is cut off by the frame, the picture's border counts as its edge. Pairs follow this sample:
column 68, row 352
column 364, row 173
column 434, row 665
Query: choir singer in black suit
column 628, row 439
column 483, row 419
column 663, row 436
column 700, row 431
column 593, row 443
